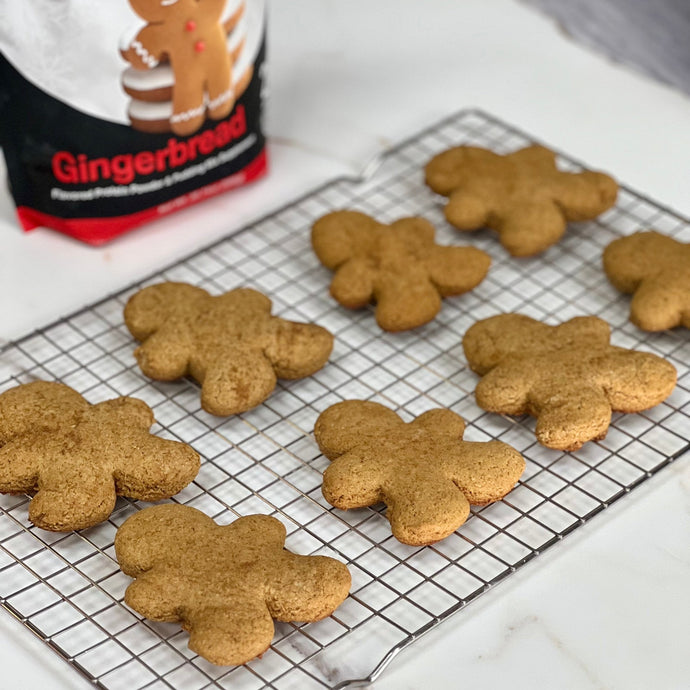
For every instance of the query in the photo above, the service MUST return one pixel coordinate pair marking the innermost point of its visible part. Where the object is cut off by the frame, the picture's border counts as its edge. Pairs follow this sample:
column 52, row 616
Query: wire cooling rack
column 67, row 588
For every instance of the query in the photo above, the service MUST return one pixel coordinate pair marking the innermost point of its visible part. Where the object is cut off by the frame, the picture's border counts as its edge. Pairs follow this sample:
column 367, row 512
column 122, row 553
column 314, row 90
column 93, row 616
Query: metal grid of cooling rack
column 68, row 589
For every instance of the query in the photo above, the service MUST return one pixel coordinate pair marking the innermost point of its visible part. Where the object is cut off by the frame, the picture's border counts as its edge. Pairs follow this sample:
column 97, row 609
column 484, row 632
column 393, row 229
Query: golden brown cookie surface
column 522, row 195
column 655, row 269
column 568, row 376
column 423, row 471
column 398, row 266
column 77, row 457
column 230, row 344
column 224, row 583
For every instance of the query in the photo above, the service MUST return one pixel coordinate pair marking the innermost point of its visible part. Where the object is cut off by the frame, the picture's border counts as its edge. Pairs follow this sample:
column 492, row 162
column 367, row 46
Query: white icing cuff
column 144, row 54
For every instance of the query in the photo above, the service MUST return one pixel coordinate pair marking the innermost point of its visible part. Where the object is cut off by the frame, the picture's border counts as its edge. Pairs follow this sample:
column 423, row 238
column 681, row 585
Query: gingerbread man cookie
column 224, row 583
column 191, row 37
column 423, row 471
column 523, row 195
column 77, row 457
column 398, row 266
column 230, row 344
column 655, row 269
column 569, row 376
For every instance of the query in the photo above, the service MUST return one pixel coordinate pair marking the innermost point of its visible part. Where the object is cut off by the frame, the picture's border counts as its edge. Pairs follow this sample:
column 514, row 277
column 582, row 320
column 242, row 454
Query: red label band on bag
column 135, row 126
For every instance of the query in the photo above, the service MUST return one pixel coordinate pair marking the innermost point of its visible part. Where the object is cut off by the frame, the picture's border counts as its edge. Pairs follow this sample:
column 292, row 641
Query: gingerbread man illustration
column 189, row 35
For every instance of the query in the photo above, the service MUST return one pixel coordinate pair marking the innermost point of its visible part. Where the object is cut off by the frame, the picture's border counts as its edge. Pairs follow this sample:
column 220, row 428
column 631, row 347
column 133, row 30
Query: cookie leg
column 572, row 418
column 423, row 510
column 656, row 307
column 528, row 229
column 156, row 468
column 486, row 472
column 71, row 498
column 306, row 588
column 221, row 95
column 18, row 467
column 350, row 482
column 165, row 355
column 189, row 109
column 455, row 270
column 230, row 635
column 402, row 305
column 236, row 382
column 466, row 211
column 353, row 284
column 297, row 350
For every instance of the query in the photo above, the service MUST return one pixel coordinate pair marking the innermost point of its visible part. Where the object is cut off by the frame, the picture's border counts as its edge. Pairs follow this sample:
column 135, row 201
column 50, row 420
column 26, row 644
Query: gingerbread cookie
column 523, row 195
column 151, row 90
column 423, row 471
column 224, row 583
column 77, row 457
column 398, row 266
column 190, row 36
column 655, row 269
column 230, row 344
column 569, row 377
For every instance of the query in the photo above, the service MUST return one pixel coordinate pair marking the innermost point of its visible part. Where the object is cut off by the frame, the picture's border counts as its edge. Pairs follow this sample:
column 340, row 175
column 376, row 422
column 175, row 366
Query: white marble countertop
column 607, row 608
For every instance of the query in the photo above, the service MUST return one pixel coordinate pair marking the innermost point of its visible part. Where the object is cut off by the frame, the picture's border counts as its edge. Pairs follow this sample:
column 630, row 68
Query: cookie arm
column 583, row 196
column 19, row 465
column 147, row 49
column 40, row 404
column 125, row 412
column 344, row 425
column 441, row 422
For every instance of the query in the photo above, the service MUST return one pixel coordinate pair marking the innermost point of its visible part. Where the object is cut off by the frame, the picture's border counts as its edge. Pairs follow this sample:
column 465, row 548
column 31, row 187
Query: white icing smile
column 165, row 3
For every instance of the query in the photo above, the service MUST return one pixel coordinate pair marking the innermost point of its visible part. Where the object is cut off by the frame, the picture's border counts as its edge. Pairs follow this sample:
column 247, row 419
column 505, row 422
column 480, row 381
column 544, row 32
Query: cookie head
column 568, row 376
column 424, row 471
column 77, row 457
column 149, row 309
column 655, row 269
column 522, row 195
column 161, row 10
column 225, row 584
column 398, row 266
column 230, row 344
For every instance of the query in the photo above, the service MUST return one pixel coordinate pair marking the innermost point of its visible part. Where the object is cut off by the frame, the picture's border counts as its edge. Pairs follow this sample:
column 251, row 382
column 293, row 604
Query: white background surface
column 608, row 608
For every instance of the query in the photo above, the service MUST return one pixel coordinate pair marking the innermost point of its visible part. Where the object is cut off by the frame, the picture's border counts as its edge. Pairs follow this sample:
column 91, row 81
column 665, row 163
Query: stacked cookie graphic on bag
column 186, row 62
